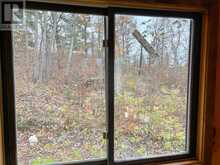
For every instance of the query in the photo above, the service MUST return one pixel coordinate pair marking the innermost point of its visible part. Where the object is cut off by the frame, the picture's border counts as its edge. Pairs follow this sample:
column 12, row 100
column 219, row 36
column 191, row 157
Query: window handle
column 105, row 135
column 105, row 43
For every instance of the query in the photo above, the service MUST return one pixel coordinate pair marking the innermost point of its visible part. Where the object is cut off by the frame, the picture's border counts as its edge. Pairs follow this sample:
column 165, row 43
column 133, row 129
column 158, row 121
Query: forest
column 59, row 67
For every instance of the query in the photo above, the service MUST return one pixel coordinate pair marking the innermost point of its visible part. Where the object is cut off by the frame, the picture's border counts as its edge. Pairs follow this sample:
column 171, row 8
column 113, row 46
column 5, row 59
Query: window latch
column 105, row 43
column 105, row 135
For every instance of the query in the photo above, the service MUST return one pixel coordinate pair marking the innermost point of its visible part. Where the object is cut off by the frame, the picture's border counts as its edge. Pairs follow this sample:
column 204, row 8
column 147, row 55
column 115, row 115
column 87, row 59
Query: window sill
column 187, row 162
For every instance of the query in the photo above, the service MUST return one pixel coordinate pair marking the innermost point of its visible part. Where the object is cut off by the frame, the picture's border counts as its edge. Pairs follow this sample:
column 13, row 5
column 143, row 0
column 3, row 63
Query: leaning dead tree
column 146, row 45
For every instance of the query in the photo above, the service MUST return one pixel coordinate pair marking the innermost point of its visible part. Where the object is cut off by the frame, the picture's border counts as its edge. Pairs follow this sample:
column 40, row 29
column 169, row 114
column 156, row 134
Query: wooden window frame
column 197, row 144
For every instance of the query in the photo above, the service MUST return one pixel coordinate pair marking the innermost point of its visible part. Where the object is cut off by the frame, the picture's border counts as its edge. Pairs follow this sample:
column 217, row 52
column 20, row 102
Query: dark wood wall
column 216, row 119
column 213, row 104
column 175, row 1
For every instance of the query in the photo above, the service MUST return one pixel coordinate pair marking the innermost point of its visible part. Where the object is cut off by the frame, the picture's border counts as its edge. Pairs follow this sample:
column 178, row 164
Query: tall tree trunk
column 99, row 38
column 53, row 46
column 141, row 61
column 70, row 56
column 93, row 44
column 36, row 49
column 72, row 42
column 43, row 51
column 85, row 39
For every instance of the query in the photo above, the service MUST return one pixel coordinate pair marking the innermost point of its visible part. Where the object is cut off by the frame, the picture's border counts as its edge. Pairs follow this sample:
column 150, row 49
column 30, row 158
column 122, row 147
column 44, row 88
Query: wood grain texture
column 208, row 89
column 177, row 5
column 202, row 91
column 213, row 17
column 216, row 145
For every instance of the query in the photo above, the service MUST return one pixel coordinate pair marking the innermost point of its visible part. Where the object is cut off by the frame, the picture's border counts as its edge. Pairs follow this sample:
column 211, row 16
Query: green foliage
column 68, row 93
column 76, row 154
column 129, row 100
column 42, row 162
column 141, row 151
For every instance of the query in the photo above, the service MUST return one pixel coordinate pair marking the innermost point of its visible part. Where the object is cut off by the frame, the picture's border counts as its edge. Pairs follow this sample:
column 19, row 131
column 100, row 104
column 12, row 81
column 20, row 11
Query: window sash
column 193, row 81
column 109, row 13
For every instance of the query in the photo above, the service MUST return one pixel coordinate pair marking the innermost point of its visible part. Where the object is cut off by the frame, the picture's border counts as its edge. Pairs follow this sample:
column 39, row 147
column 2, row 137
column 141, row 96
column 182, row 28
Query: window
column 151, row 88
column 59, row 75
column 101, row 86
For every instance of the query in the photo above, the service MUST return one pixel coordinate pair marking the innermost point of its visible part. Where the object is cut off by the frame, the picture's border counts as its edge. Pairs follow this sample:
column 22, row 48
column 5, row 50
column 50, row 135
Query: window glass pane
column 151, row 86
column 60, row 92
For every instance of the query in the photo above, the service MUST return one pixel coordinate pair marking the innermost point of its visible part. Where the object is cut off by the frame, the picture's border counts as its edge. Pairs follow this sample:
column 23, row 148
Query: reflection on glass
column 151, row 82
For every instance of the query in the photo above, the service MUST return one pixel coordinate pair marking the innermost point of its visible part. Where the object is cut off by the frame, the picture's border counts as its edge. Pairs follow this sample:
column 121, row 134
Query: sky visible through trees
column 59, row 65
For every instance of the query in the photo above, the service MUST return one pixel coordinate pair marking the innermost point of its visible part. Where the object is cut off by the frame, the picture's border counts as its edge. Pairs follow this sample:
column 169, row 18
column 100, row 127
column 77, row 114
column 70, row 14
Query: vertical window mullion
column 8, row 97
column 110, row 85
column 188, row 134
column 194, row 84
